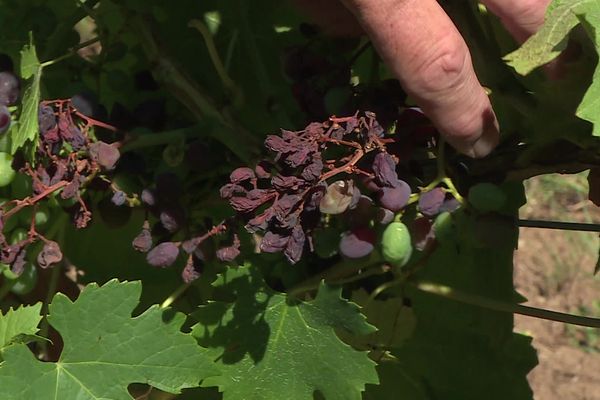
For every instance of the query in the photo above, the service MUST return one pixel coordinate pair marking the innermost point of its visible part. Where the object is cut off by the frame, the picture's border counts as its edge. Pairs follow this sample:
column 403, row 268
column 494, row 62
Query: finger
column 522, row 18
column 425, row 51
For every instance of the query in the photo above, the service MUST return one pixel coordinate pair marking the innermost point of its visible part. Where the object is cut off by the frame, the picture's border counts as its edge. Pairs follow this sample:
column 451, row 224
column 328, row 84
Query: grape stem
column 226, row 80
column 175, row 295
column 57, row 232
column 72, row 51
column 441, row 176
column 496, row 305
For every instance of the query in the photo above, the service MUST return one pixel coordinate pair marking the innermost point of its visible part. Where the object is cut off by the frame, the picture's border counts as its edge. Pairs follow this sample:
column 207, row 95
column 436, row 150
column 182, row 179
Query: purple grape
column 449, row 205
column 148, row 197
column 163, row 255
column 118, row 198
column 9, row 88
column 385, row 216
column 430, row 202
column 357, row 243
column 396, row 197
column 4, row 119
column 172, row 219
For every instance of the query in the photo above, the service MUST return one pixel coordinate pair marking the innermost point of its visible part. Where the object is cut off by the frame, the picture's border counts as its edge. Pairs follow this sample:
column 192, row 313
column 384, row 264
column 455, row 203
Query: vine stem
column 175, row 295
column 496, row 305
column 72, row 51
column 58, row 231
column 215, row 58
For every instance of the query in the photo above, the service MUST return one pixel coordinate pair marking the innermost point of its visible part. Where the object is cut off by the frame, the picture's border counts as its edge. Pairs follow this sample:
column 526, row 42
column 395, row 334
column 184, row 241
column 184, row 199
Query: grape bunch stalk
column 67, row 159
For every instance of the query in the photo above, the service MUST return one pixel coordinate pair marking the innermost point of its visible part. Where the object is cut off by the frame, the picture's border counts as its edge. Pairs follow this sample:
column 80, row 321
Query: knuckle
column 444, row 69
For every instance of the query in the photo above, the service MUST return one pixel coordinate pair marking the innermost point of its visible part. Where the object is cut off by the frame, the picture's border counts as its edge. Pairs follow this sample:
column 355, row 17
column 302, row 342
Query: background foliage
column 193, row 90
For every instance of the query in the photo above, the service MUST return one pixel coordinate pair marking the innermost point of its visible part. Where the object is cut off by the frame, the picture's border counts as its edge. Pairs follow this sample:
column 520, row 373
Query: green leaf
column 105, row 350
column 589, row 109
column 552, row 39
column 395, row 323
column 462, row 351
column 268, row 348
column 19, row 324
column 28, row 119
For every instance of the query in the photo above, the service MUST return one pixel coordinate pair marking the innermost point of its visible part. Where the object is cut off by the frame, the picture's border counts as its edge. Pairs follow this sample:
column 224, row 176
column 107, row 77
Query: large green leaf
column 268, row 348
column 462, row 351
column 552, row 39
column 589, row 109
column 18, row 324
column 105, row 350
column 31, row 69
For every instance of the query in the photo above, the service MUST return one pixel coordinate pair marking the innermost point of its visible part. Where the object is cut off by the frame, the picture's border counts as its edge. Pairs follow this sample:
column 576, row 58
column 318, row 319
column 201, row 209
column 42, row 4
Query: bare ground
column 554, row 270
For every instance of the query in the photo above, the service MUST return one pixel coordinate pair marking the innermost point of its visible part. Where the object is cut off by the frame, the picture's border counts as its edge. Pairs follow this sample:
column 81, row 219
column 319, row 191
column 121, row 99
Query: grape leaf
column 551, row 40
column 268, row 348
column 105, row 350
column 589, row 109
column 19, row 324
column 28, row 119
column 460, row 350
column 395, row 323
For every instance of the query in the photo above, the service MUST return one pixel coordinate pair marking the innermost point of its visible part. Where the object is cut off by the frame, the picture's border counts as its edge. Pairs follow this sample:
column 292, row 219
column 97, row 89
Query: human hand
column 425, row 51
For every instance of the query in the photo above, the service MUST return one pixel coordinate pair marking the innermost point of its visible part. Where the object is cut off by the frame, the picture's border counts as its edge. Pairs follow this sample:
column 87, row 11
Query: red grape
column 357, row 243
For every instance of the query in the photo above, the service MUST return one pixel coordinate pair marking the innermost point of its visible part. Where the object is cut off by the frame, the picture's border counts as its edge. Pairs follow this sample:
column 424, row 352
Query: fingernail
column 486, row 142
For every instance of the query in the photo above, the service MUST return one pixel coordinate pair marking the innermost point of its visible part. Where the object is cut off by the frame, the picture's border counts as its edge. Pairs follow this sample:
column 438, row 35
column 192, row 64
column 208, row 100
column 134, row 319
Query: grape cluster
column 345, row 168
column 166, row 220
column 68, row 158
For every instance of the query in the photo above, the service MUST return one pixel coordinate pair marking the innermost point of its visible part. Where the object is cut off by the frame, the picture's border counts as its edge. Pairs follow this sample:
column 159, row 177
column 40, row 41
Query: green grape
column 443, row 227
column 18, row 235
column 5, row 143
column 396, row 246
column 7, row 273
column 21, row 186
column 11, row 222
column 487, row 197
column 42, row 215
column 7, row 173
column 27, row 281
